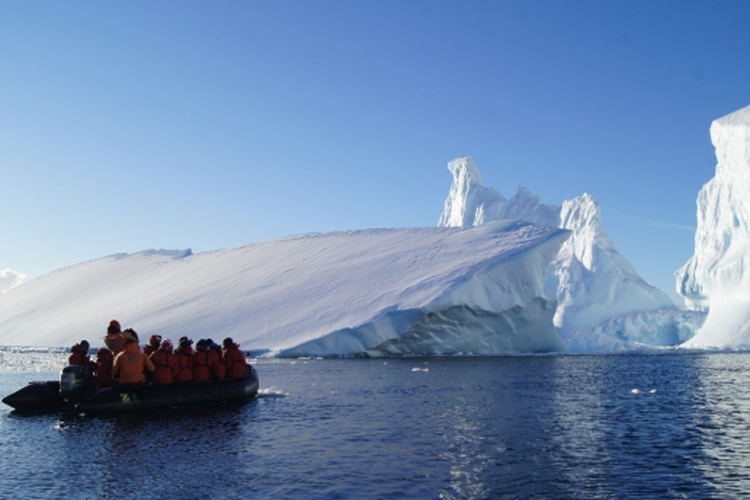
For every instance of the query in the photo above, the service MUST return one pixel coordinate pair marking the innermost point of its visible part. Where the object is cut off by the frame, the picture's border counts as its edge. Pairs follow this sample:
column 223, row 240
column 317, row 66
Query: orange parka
column 184, row 364
column 79, row 356
column 115, row 342
column 235, row 362
column 201, row 364
column 103, row 369
column 130, row 363
column 167, row 366
column 216, row 363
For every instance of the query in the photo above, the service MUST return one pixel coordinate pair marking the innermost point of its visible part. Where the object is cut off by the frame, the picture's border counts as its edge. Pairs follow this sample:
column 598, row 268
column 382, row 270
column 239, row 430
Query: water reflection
column 723, row 422
column 633, row 416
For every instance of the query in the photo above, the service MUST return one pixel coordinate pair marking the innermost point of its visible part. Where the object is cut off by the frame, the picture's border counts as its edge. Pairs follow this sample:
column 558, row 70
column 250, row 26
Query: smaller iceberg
column 603, row 303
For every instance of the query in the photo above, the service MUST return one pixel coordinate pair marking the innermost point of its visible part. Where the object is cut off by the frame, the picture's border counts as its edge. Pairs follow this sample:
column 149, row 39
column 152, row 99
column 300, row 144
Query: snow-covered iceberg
column 384, row 292
column 717, row 276
column 603, row 304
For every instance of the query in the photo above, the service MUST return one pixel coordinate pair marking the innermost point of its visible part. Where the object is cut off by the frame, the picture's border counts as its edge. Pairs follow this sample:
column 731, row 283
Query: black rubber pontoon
column 39, row 396
column 45, row 396
column 114, row 400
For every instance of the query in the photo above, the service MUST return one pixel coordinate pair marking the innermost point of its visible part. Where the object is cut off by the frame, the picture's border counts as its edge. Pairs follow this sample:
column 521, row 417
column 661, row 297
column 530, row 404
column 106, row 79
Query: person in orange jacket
column 154, row 344
column 79, row 355
column 114, row 340
column 216, row 361
column 103, row 369
column 201, row 362
column 184, row 355
column 130, row 364
column 234, row 360
column 166, row 363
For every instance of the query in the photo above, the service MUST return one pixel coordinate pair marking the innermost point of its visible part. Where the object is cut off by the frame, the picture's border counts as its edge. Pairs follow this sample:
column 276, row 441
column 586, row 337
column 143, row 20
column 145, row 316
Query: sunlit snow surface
column 441, row 290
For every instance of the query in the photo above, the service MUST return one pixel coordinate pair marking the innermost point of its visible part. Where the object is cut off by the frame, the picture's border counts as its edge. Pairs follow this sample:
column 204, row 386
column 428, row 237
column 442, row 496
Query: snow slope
column 603, row 303
column 717, row 276
column 390, row 291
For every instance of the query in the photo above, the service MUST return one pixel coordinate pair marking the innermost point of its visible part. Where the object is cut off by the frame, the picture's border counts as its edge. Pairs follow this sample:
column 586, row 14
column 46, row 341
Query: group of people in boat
column 123, row 361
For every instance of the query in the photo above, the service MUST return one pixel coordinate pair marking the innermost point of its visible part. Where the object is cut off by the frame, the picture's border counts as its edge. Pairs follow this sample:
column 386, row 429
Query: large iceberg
column 717, row 276
column 425, row 291
column 603, row 303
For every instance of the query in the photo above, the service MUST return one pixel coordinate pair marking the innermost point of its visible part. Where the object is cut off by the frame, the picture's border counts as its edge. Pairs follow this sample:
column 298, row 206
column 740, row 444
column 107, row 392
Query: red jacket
column 216, row 364
column 153, row 345
column 103, row 369
column 235, row 362
column 78, row 356
column 184, row 364
column 201, row 365
column 167, row 367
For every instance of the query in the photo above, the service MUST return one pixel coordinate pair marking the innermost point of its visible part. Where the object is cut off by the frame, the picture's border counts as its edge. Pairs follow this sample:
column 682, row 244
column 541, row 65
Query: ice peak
column 592, row 282
column 582, row 215
column 469, row 202
column 740, row 117
column 464, row 169
column 581, row 212
column 730, row 136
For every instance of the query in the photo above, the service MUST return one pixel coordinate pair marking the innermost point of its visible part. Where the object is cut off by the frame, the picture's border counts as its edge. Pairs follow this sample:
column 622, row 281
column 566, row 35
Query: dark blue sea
column 650, row 426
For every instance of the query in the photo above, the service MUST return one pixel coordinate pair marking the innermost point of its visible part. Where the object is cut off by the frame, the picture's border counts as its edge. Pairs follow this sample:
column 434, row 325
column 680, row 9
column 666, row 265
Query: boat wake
column 271, row 392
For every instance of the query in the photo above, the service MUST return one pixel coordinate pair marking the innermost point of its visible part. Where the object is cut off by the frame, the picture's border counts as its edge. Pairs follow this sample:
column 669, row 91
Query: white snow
column 717, row 276
column 10, row 279
column 390, row 291
column 603, row 303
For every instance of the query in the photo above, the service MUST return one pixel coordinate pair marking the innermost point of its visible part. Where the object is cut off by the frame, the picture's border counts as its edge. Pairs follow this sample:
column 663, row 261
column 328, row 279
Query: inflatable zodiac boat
column 72, row 392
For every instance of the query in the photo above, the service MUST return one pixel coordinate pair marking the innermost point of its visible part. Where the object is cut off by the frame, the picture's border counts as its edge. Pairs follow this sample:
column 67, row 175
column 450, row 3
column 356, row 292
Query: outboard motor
column 73, row 384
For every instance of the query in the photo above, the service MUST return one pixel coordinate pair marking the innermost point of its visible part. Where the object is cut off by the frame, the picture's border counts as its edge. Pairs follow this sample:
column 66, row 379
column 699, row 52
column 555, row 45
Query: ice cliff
column 603, row 304
column 717, row 276
column 382, row 292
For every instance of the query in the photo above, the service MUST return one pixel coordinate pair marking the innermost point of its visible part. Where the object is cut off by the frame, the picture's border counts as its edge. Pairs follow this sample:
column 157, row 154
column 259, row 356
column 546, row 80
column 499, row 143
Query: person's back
column 216, row 362
column 165, row 363
column 130, row 363
column 184, row 355
column 154, row 343
column 103, row 369
column 201, row 362
column 114, row 340
column 79, row 355
column 234, row 360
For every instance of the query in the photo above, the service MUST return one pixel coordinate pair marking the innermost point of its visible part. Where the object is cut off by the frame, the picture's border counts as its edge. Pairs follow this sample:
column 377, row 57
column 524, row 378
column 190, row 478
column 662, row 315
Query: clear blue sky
column 133, row 125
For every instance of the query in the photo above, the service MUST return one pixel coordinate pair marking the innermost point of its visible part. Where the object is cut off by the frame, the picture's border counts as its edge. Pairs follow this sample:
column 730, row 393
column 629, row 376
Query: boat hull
column 45, row 396
column 37, row 396
column 114, row 400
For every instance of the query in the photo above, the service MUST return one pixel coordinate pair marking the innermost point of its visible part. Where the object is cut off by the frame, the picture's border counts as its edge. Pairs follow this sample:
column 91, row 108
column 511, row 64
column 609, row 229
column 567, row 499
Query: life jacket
column 184, row 364
column 201, row 364
column 216, row 364
column 103, row 369
column 79, row 356
column 235, row 362
column 130, row 363
column 167, row 367
column 153, row 345
column 115, row 342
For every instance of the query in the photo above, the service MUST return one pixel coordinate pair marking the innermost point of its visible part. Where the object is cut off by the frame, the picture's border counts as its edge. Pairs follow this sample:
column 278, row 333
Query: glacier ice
column 717, row 277
column 342, row 293
column 10, row 279
column 603, row 304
